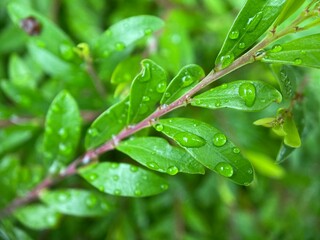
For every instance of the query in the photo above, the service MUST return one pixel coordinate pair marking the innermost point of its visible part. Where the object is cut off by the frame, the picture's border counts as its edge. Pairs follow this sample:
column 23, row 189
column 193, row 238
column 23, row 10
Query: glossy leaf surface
column 123, row 179
column 210, row 147
column 290, row 7
column 243, row 95
column 303, row 52
column 157, row 154
column 76, row 202
column 253, row 20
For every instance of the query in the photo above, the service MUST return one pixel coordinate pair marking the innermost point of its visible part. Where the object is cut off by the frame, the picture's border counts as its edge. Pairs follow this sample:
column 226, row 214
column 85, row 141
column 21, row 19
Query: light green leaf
column 290, row 7
column 62, row 131
column 186, row 79
column 292, row 137
column 146, row 91
column 125, row 33
column 111, row 122
column 76, row 202
column 19, row 73
column 37, row 216
column 245, row 95
column 157, row 154
column 303, row 52
column 123, row 179
column 210, row 147
column 253, row 20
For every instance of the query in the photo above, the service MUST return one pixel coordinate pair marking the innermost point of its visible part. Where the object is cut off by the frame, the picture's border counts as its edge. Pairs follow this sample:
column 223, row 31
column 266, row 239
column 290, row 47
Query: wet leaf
column 290, row 7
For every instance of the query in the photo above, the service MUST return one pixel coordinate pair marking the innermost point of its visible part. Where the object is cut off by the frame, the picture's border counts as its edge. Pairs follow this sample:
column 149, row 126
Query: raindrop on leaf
column 219, row 139
column 247, row 92
column 224, row 169
column 189, row 140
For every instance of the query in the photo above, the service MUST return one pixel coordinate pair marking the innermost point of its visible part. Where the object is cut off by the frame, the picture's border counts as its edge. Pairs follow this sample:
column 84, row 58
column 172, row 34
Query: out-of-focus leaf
column 9, row 232
column 253, row 20
column 303, row 51
column 37, row 216
column 62, row 131
column 290, row 7
column 11, row 39
column 123, row 179
column 157, row 154
column 210, row 147
column 243, row 95
column 76, row 202
column 187, row 78
column 146, row 91
column 29, row 177
column 19, row 72
column 111, row 122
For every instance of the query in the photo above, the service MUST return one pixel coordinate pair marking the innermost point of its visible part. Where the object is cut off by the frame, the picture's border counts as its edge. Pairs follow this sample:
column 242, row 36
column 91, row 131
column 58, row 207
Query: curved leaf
column 210, row 147
column 123, row 179
column 290, row 7
column 245, row 95
column 157, row 154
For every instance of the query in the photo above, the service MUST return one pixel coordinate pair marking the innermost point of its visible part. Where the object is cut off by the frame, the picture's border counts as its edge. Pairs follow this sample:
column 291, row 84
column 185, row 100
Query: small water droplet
column 253, row 22
column 159, row 127
column 51, row 219
column 161, row 87
column 173, row 170
column 242, row 45
column 93, row 132
column 187, row 81
column 236, row 150
column 226, row 60
column 92, row 177
column 234, row 35
column 189, row 140
column 145, row 177
column 117, row 192
column 164, row 186
column 120, row 46
column 114, row 165
column 134, row 168
column 219, row 139
column 115, row 177
column 63, row 133
column 197, row 101
column 106, row 53
column 91, row 201
column 167, row 94
column 250, row 171
column 104, row 206
column 224, row 86
column 148, row 31
column 224, row 169
column 217, row 103
column 63, row 197
column 145, row 99
column 146, row 73
column 137, row 192
column 153, row 165
column 276, row 48
column 298, row 61
column 247, row 92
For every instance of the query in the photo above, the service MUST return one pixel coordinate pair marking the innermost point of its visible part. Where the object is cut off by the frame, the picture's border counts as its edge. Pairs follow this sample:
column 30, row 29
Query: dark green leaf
column 123, row 179
column 76, row 202
column 37, row 216
column 157, row 154
column 284, row 152
column 253, row 20
column 245, row 95
column 111, row 122
column 303, row 51
column 146, row 91
column 290, row 7
column 62, row 131
column 210, row 147
column 186, row 79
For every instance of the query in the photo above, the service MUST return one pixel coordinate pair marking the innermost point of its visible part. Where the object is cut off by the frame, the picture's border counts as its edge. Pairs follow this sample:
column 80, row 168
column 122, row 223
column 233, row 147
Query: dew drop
column 91, row 201
column 219, row 139
column 159, row 127
column 146, row 74
column 104, row 206
column 92, row 176
column 189, row 140
column 164, row 186
column 226, row 60
column 217, row 103
column 224, row 86
column 173, row 170
column 51, row 219
column 137, row 192
column 63, row 133
column 93, row 132
column 145, row 99
column 153, row 165
column 197, row 101
column 114, row 165
column 161, row 87
column 249, row 171
column 253, row 22
column 187, row 81
column 117, row 192
column 234, row 35
column 298, row 61
column 247, row 92
column 276, row 48
column 134, row 168
column 56, row 108
column 148, row 32
column 224, row 169
column 236, row 150
column 120, row 46
column 63, row 197
column 167, row 94
column 242, row 45
column 115, row 177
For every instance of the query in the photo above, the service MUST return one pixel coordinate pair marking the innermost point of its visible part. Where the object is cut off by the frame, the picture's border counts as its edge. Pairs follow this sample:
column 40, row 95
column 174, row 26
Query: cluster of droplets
column 287, row 84
column 278, row 48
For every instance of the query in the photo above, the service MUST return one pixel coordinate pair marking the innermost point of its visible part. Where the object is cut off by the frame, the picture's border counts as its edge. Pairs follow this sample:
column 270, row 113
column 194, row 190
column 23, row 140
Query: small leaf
column 186, row 79
column 111, row 122
column 292, row 137
column 20, row 74
column 157, row 154
column 284, row 152
column 266, row 122
column 76, row 202
column 290, row 7
column 303, row 52
column 146, row 91
column 210, row 147
column 62, row 130
column 37, row 216
column 243, row 95
column 123, row 179
column 253, row 20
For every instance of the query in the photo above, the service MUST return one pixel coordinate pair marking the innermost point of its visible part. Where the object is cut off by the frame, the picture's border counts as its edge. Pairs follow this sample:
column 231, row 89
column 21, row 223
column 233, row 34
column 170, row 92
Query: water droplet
column 134, row 168
column 226, row 60
column 187, row 81
column 298, row 61
column 63, row 133
column 159, row 127
column 189, row 140
column 197, row 101
column 153, row 165
column 253, row 22
column 236, row 150
column 217, row 103
column 145, row 99
column 161, row 87
column 51, row 219
column 148, row 31
column 114, row 165
column 63, row 197
column 164, row 186
column 145, row 177
column 167, row 94
column 93, row 132
column 247, row 92
column 242, row 45
column 120, row 46
column 92, row 177
column 224, row 86
column 137, row 192
column 146, row 74
column 276, row 48
column 115, row 177
column 250, row 171
column 91, row 201
column 219, row 139
column 117, row 192
column 234, row 34
column 224, row 169
column 173, row 170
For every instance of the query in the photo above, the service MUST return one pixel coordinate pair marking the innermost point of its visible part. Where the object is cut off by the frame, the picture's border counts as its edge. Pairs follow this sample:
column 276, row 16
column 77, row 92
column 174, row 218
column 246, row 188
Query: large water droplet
column 219, row 139
column 226, row 60
column 91, row 201
column 189, row 140
column 173, row 170
column 224, row 169
column 161, row 87
column 146, row 74
column 187, row 81
column 247, row 92
column 159, row 127
column 120, row 46
column 234, row 34
column 253, row 22
column 276, row 48
column 153, row 165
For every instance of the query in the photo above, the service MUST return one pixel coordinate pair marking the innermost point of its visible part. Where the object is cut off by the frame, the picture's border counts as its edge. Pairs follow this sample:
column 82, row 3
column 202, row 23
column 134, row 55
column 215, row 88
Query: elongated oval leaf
column 243, row 95
column 304, row 52
column 210, row 147
column 76, row 202
column 253, row 20
column 123, row 179
column 157, row 154
column 62, row 130
column 146, row 91
column 107, row 124
column 290, row 7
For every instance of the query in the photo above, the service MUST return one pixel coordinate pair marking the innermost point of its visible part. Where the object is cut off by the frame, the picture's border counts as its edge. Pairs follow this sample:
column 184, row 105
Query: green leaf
column 284, row 152
column 20, row 74
column 210, row 147
column 186, row 79
column 292, row 137
column 290, row 7
column 157, row 154
column 303, row 51
column 62, row 131
column 245, row 95
column 125, row 33
column 253, row 20
column 109, row 123
column 146, row 91
column 76, row 202
column 37, row 216
column 123, row 179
